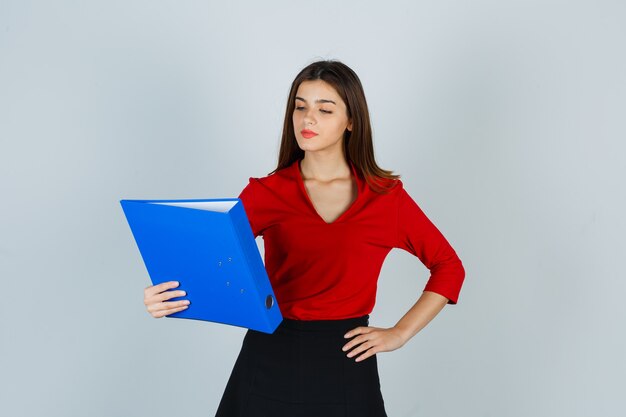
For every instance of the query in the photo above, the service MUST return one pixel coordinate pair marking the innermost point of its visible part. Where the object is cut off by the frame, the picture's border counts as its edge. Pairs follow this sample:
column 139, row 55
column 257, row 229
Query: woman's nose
column 308, row 118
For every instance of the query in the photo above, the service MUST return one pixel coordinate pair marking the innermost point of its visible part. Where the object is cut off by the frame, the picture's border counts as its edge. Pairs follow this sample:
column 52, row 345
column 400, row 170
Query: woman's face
column 319, row 109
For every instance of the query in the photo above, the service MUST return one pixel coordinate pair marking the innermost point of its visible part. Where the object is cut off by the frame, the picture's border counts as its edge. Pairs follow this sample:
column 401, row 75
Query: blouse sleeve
column 419, row 236
column 249, row 201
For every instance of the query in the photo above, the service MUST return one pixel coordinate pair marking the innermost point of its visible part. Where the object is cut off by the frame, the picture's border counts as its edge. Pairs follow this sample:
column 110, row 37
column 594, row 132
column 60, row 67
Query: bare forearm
column 423, row 311
column 367, row 341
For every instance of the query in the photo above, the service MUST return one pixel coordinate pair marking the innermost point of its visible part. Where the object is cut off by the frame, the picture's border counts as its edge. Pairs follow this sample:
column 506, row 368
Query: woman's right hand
column 155, row 297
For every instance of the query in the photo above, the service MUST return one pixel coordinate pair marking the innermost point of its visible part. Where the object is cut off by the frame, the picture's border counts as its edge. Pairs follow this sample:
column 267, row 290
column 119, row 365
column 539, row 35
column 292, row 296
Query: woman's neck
column 324, row 168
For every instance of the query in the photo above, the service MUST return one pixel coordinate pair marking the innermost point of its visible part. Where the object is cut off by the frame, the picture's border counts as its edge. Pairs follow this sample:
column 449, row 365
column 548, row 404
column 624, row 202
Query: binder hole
column 229, row 259
column 228, row 283
column 269, row 302
column 242, row 290
column 219, row 263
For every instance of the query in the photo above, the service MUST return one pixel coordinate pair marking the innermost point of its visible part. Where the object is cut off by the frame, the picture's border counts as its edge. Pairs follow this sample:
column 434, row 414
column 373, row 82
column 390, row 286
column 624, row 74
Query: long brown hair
column 357, row 144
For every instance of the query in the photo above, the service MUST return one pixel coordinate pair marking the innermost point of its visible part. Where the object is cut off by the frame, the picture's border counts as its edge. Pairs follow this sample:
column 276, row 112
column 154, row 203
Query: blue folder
column 208, row 246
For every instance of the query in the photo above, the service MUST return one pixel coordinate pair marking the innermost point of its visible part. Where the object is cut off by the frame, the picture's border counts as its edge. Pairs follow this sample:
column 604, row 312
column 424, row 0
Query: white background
column 505, row 119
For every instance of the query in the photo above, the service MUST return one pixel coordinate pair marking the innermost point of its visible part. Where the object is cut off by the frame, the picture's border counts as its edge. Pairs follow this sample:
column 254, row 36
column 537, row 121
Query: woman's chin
column 310, row 145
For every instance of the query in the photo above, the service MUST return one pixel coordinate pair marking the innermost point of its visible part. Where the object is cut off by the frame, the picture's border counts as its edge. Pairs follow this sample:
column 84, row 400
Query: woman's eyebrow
column 322, row 100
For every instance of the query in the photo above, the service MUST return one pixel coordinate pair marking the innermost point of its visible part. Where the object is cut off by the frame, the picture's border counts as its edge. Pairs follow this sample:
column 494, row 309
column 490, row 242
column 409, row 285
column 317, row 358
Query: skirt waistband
column 325, row 325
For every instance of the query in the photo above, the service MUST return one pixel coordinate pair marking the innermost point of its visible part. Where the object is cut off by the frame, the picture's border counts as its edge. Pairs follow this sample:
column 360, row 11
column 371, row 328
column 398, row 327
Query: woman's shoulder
column 272, row 181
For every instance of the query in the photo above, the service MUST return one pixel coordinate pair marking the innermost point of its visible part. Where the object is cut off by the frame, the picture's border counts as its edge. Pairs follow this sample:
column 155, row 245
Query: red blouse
column 329, row 271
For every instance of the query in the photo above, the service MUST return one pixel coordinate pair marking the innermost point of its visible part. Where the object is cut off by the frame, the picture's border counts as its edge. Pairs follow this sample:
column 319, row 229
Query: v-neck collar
column 359, row 186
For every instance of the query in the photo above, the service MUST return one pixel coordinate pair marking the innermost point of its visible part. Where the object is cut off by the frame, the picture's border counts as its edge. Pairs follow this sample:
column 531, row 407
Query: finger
column 166, row 295
column 167, row 305
column 351, row 333
column 357, row 331
column 354, row 342
column 168, row 312
column 369, row 335
column 361, row 348
column 370, row 352
column 155, row 289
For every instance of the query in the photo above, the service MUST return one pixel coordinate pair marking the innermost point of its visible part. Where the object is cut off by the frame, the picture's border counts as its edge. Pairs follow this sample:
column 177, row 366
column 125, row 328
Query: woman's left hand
column 371, row 340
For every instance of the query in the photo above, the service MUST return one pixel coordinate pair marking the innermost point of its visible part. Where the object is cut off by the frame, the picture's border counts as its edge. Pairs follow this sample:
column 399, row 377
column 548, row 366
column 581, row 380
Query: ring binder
column 208, row 246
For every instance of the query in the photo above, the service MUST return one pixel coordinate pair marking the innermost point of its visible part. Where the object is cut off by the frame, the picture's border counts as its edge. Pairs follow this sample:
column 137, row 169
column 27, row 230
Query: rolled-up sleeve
column 419, row 236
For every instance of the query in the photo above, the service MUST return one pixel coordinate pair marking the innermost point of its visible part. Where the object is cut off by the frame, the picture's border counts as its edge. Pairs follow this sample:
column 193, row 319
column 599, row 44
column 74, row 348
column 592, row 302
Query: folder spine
column 254, row 260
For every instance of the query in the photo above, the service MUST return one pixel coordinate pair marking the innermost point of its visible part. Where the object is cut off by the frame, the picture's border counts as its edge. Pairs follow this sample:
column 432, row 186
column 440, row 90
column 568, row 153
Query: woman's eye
column 322, row 110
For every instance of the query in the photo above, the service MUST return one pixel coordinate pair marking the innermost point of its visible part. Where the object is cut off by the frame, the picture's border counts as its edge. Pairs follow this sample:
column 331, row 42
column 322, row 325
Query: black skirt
column 301, row 371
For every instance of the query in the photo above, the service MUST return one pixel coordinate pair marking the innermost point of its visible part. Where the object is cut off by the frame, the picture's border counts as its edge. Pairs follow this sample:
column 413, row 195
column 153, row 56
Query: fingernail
column 186, row 302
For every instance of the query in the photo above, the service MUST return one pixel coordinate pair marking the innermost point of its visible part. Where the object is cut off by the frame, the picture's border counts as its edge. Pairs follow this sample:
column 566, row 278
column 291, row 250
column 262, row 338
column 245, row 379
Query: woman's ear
column 349, row 126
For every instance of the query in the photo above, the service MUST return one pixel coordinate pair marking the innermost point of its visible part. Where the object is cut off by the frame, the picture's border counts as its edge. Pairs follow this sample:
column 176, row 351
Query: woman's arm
column 371, row 340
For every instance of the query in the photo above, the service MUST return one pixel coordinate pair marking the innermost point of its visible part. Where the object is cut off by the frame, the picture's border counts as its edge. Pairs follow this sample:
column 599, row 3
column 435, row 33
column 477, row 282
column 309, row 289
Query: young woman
column 328, row 216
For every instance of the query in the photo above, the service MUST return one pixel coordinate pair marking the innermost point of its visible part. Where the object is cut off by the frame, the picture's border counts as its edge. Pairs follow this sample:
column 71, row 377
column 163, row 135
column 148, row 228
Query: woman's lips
column 308, row 133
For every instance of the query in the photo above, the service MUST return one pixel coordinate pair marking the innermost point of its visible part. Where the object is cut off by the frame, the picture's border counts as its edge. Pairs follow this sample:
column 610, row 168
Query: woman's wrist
column 422, row 312
column 404, row 333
